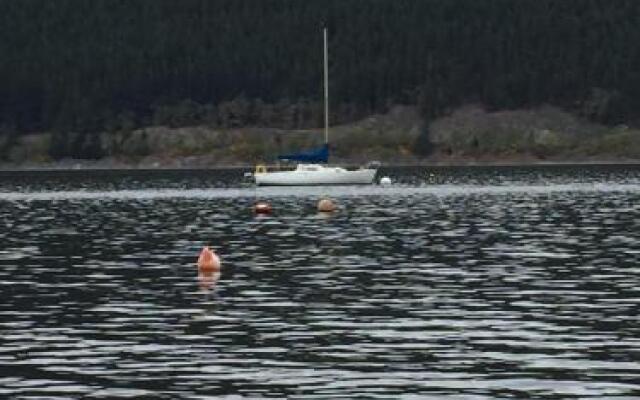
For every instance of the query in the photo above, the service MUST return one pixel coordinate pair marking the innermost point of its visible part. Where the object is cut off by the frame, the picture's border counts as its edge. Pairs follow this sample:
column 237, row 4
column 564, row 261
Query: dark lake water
column 453, row 283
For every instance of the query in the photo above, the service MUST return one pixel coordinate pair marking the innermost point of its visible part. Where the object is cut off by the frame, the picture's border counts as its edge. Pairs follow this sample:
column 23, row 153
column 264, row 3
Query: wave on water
column 336, row 191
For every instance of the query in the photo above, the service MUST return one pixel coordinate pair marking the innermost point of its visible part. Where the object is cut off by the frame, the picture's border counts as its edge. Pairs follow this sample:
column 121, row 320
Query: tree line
column 113, row 65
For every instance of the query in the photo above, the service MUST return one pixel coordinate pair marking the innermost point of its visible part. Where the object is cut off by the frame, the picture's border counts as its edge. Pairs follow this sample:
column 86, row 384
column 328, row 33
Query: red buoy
column 262, row 207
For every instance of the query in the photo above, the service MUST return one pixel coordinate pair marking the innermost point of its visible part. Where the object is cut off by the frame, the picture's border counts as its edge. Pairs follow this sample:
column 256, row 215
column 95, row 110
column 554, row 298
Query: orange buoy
column 208, row 260
column 262, row 207
column 326, row 205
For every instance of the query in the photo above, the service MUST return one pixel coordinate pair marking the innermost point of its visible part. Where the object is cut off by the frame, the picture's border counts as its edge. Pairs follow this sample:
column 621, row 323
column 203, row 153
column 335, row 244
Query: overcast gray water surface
column 453, row 283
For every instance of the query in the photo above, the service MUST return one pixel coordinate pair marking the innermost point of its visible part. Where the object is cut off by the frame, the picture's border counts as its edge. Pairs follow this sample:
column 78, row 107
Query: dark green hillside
column 88, row 66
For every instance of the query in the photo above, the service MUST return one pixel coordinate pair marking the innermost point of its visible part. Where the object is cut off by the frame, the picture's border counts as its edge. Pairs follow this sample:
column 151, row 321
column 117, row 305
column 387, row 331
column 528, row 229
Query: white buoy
column 385, row 180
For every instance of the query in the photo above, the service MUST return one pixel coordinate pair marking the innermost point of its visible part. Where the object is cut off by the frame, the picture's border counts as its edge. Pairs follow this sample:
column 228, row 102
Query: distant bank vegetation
column 80, row 70
column 545, row 133
column 468, row 134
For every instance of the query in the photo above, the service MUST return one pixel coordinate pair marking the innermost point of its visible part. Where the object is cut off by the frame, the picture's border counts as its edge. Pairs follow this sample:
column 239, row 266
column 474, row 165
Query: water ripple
column 487, row 284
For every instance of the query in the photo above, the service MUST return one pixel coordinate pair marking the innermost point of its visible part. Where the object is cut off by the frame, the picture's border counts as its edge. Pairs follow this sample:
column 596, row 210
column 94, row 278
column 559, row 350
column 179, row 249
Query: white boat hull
column 330, row 176
column 313, row 173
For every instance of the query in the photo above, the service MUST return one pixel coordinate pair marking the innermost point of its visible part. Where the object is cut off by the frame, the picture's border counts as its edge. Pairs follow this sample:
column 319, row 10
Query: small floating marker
column 208, row 260
column 326, row 205
column 385, row 180
column 262, row 207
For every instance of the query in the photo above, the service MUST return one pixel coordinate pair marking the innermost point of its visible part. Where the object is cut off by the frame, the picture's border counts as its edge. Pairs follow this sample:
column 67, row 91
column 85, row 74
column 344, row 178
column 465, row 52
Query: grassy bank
column 468, row 135
column 546, row 133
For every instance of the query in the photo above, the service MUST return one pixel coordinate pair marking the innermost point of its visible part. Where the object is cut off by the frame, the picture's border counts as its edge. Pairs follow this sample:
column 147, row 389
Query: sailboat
column 310, row 170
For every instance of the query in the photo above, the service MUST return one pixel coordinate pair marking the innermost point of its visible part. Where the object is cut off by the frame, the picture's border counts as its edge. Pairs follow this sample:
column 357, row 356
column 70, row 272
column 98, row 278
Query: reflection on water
column 498, row 283
column 208, row 279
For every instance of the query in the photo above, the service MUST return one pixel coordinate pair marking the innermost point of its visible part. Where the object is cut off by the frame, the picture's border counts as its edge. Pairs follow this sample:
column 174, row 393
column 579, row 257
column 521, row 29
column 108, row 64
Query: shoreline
column 79, row 167
column 468, row 136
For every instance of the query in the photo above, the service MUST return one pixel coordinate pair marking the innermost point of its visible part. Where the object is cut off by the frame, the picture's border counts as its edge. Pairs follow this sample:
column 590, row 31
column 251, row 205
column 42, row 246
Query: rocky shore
column 467, row 136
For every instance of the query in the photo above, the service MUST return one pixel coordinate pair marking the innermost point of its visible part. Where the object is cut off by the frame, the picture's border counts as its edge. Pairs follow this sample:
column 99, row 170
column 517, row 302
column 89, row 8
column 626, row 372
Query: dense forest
column 113, row 65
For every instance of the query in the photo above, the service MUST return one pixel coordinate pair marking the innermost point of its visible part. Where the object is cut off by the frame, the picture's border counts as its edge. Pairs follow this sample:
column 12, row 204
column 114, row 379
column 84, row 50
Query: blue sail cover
column 319, row 155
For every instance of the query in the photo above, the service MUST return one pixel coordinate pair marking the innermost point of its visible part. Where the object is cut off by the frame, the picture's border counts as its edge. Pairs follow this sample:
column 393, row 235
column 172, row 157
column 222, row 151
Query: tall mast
column 326, row 89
